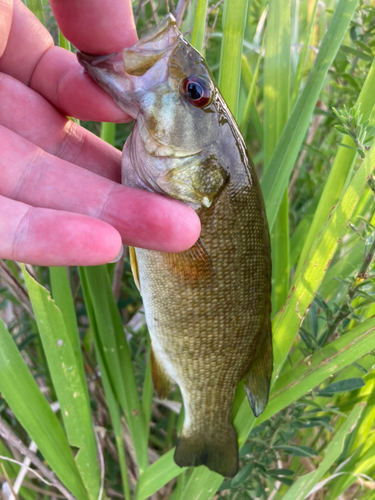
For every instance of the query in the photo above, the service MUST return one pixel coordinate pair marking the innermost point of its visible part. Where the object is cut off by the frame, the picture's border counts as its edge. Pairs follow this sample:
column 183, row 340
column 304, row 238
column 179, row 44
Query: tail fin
column 218, row 453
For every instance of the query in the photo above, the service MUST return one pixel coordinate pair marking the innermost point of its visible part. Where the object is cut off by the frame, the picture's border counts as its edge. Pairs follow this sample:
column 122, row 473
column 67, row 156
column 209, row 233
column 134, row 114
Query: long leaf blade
column 276, row 177
column 66, row 372
column 34, row 413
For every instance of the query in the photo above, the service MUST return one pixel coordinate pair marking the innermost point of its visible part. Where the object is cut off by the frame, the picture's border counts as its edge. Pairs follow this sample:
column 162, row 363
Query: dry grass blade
column 9, row 436
column 8, row 483
column 180, row 9
column 15, row 287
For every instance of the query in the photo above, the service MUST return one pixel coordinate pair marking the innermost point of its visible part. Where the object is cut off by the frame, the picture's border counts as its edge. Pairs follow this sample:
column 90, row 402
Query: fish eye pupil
column 195, row 91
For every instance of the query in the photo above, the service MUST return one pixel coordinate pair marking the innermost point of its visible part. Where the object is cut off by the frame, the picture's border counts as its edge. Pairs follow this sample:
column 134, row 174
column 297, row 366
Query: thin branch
column 180, row 9
column 31, row 486
column 9, row 485
column 15, row 287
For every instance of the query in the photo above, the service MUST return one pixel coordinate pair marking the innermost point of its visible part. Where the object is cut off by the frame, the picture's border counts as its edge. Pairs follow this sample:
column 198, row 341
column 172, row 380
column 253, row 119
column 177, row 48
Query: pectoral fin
column 193, row 265
column 134, row 267
column 195, row 181
column 161, row 381
column 258, row 378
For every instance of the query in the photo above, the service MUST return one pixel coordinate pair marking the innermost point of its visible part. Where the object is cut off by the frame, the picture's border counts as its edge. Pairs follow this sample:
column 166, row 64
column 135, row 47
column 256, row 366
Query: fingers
column 50, row 238
column 62, row 81
column 96, row 26
column 30, row 175
column 30, row 115
column 31, row 58
column 6, row 9
column 27, row 41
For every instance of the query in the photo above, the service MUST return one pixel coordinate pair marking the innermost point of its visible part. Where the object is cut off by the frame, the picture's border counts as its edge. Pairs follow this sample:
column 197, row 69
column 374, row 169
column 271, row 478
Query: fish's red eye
column 196, row 91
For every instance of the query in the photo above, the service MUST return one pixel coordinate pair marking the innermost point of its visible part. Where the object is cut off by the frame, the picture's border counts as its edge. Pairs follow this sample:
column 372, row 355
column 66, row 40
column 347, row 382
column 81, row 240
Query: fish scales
column 208, row 308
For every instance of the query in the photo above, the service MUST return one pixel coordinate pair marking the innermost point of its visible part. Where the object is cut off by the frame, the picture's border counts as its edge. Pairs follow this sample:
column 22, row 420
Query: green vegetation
column 299, row 76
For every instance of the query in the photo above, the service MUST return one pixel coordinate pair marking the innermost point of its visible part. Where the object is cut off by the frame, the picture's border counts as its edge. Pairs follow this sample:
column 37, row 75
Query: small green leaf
column 348, row 384
column 303, row 486
column 280, row 472
column 242, row 475
column 297, row 451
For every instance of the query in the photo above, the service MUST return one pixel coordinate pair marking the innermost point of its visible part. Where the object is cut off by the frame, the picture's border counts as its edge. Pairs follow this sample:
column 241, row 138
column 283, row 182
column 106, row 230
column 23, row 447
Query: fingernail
column 116, row 259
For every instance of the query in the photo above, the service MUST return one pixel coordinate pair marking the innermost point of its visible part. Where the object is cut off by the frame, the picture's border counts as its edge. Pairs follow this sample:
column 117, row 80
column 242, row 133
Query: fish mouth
column 128, row 74
column 89, row 60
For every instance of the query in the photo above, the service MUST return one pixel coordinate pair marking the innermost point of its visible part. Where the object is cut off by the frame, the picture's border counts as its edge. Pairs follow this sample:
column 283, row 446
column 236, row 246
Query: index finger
column 27, row 53
column 96, row 26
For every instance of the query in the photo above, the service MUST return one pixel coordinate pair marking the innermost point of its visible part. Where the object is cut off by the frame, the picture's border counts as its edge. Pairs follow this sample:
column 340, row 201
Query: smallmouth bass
column 208, row 308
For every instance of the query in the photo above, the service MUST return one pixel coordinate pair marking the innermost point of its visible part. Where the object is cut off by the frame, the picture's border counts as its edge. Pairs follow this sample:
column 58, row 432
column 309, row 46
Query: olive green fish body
column 208, row 308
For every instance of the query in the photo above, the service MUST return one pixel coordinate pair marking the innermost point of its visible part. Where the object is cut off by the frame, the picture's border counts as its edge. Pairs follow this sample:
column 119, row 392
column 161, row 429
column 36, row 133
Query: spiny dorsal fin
column 258, row 379
column 134, row 267
column 161, row 381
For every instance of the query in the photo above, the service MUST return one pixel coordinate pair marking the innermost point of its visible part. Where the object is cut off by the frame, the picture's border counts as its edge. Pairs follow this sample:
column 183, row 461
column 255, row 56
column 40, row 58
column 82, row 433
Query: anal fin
column 160, row 379
column 258, row 378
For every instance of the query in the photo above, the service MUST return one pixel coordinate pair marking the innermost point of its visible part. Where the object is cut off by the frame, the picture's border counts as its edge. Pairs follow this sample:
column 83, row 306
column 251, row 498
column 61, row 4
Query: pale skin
column 61, row 202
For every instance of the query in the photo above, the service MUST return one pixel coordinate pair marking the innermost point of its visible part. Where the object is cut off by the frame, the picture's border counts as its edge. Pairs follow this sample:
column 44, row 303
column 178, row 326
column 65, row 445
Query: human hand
column 60, row 198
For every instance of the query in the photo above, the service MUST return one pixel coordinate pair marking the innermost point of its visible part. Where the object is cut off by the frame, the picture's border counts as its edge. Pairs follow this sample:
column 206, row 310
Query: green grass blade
column 300, row 233
column 66, row 375
column 302, row 57
column 344, row 160
column 249, row 81
column 36, row 7
column 364, row 464
column 34, row 413
column 116, row 422
column 276, row 112
column 276, row 75
column 199, row 28
column 148, row 392
column 276, row 177
column 303, row 486
column 307, row 283
column 117, row 357
column 234, row 22
column 332, row 358
column 280, row 256
column 202, row 484
column 62, row 295
column 108, row 132
column 157, row 475
column 251, row 94
column 63, row 42
column 111, row 401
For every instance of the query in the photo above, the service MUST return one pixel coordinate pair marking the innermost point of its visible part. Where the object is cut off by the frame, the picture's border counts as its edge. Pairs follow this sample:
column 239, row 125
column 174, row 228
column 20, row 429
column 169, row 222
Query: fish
column 207, row 308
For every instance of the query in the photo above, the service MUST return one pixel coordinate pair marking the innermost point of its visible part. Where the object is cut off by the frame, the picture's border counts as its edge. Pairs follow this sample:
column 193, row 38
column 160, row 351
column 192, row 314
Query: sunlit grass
column 75, row 350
